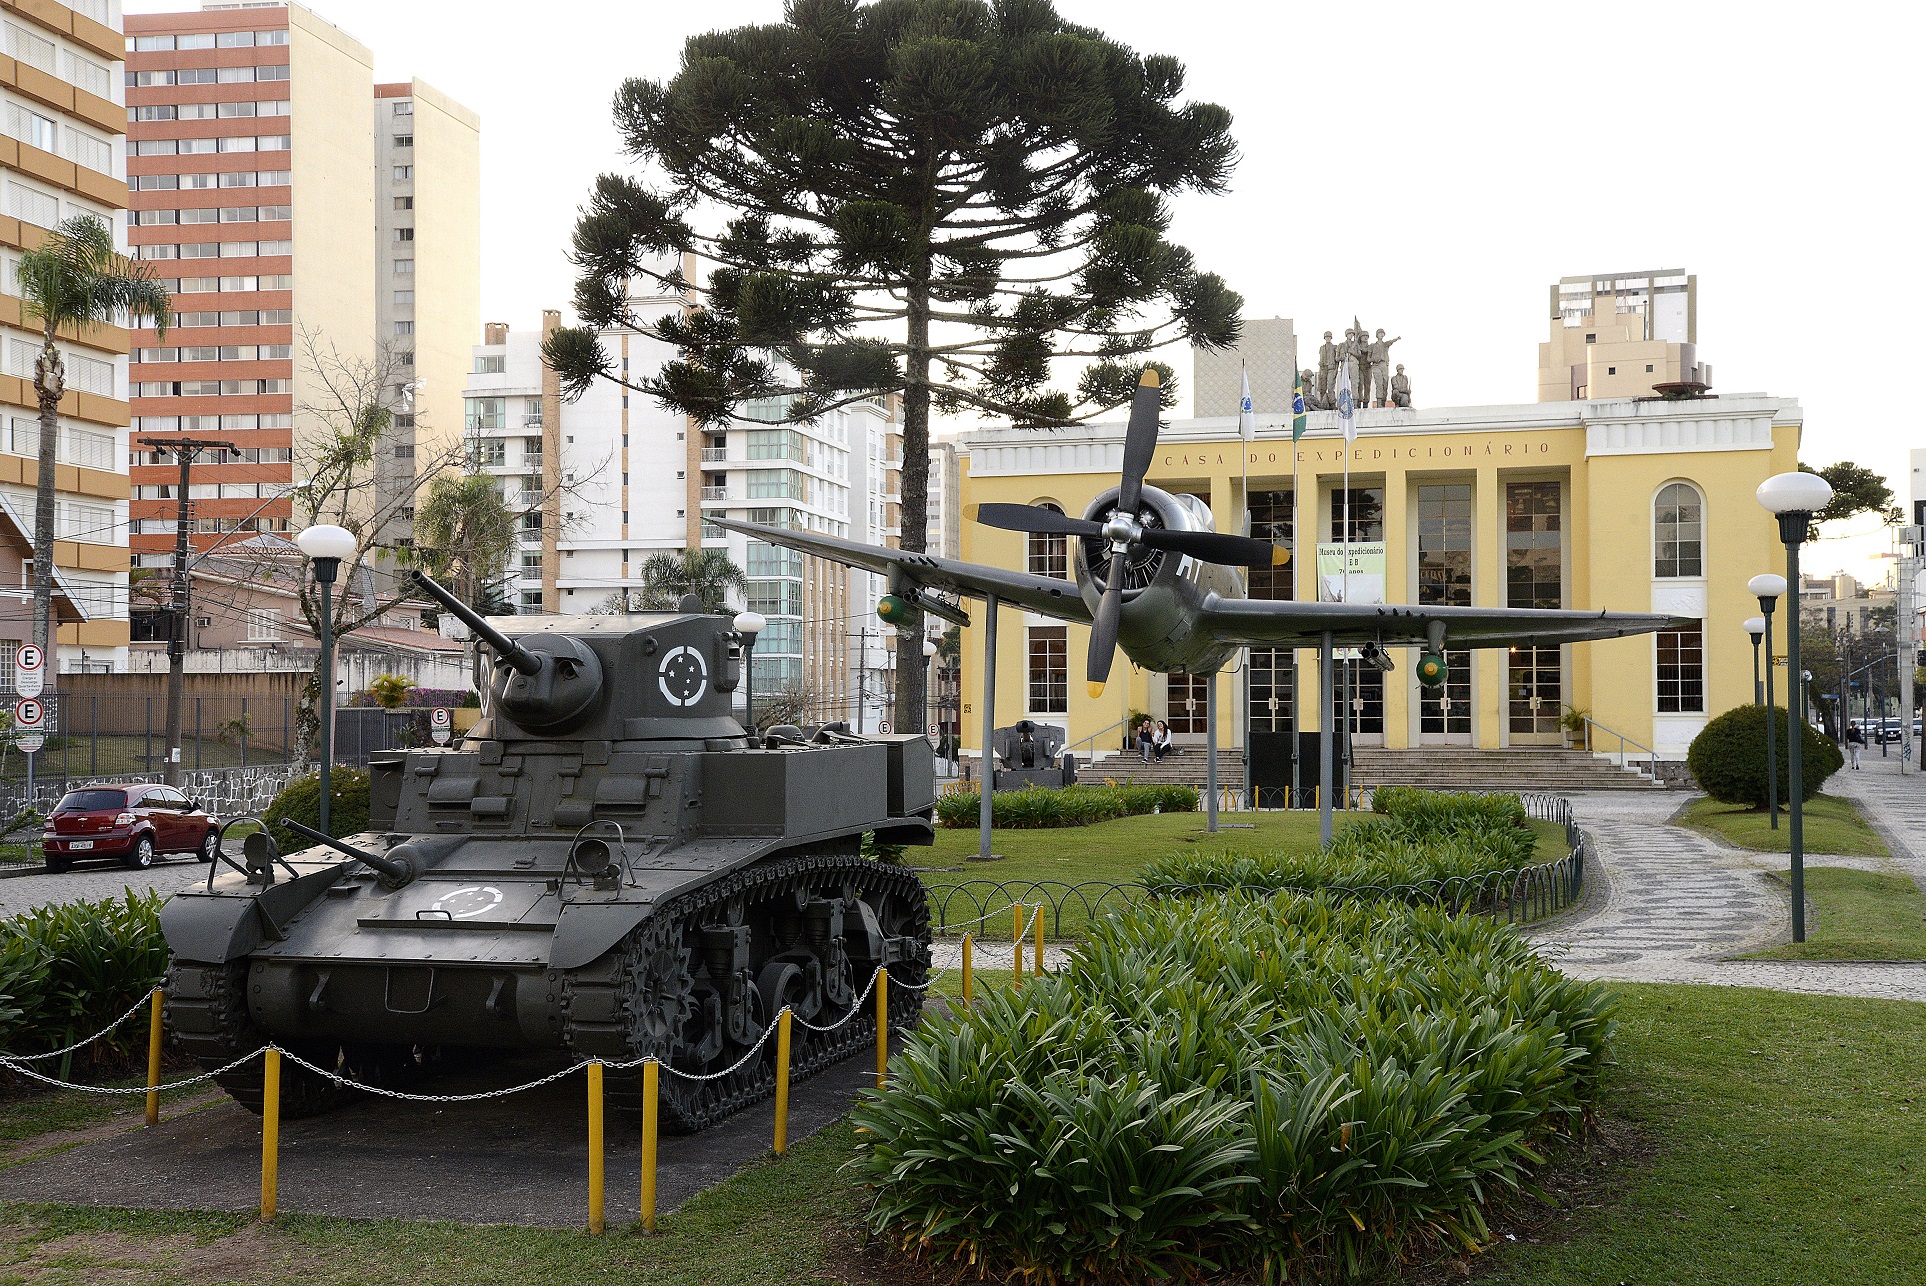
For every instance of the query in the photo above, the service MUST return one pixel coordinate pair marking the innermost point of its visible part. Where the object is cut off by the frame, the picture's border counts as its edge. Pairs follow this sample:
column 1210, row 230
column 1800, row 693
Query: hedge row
column 1040, row 807
column 1291, row 1090
column 1418, row 837
column 67, row 971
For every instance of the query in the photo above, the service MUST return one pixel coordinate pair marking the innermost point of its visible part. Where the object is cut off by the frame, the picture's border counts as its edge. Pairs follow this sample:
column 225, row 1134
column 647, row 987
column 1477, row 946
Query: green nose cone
column 1431, row 670
column 892, row 609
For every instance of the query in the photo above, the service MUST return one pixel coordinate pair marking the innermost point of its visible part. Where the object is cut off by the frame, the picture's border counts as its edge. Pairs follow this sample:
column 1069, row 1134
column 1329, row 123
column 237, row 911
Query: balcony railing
column 715, row 493
column 714, row 455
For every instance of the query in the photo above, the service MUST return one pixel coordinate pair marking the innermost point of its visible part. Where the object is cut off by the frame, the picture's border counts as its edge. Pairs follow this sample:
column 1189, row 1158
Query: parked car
column 129, row 823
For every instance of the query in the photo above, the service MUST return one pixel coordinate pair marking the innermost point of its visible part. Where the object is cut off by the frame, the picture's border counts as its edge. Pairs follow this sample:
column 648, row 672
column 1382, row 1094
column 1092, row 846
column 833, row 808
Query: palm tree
column 709, row 574
column 72, row 280
column 465, row 530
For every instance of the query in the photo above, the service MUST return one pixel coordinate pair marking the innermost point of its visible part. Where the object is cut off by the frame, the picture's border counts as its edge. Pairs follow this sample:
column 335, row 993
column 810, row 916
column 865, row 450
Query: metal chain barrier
column 384, row 1092
column 10, row 1059
column 12, row 1066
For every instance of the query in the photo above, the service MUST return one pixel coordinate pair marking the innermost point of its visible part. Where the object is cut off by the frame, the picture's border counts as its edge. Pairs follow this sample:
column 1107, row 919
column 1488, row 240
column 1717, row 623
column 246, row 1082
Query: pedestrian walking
column 1855, row 738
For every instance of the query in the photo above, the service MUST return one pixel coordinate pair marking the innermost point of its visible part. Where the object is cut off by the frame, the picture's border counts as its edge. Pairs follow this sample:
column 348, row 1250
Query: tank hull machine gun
column 607, row 866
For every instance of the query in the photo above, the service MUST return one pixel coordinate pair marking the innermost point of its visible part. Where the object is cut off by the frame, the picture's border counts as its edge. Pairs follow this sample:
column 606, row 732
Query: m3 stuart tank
column 608, row 866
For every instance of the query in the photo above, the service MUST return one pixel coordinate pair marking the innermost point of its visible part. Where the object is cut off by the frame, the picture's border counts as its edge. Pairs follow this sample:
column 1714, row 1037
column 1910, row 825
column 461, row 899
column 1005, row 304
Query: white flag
column 1247, row 413
column 1347, row 409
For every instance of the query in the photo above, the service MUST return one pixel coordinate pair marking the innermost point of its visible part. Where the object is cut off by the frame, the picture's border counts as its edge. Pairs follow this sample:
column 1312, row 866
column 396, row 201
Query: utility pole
column 862, row 678
column 184, row 449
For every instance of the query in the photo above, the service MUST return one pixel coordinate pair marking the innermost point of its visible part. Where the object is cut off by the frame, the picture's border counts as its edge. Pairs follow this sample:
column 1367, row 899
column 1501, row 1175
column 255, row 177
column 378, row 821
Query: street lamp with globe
column 748, row 625
column 326, row 546
column 1795, row 498
column 1767, row 588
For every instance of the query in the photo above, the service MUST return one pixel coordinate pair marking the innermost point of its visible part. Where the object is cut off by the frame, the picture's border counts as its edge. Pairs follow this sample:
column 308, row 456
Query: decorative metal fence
column 1520, row 897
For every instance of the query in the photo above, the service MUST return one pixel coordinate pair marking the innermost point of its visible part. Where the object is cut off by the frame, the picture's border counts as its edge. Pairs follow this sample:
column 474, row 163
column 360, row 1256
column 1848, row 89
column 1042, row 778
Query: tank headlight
column 592, row 856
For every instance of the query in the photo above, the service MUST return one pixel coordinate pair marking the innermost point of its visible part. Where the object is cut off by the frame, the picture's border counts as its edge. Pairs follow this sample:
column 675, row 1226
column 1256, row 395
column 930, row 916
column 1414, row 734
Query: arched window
column 1678, row 531
column 1049, row 554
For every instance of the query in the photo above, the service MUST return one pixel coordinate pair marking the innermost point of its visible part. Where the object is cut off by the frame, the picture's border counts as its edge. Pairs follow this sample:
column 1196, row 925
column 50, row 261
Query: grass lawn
column 1111, row 852
column 1858, row 915
column 1831, row 825
column 1749, row 1137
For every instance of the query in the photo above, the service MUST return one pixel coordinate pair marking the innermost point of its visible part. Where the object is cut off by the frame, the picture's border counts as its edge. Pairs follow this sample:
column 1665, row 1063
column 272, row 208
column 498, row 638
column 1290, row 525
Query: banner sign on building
column 1366, row 572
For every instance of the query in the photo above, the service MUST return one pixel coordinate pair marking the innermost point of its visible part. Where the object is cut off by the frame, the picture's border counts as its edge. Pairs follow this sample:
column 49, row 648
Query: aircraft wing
column 1274, row 622
column 1044, row 594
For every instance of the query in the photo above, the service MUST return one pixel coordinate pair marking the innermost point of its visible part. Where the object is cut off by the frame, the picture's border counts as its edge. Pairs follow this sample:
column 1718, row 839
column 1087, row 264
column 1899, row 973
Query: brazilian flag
column 1297, row 407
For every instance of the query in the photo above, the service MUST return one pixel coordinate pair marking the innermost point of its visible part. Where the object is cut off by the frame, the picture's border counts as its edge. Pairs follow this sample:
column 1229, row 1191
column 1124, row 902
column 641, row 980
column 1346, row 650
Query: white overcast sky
column 1430, row 168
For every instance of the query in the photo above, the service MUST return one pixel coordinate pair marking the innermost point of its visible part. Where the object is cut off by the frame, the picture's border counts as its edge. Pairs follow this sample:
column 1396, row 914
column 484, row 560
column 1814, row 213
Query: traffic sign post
column 439, row 723
column 29, row 717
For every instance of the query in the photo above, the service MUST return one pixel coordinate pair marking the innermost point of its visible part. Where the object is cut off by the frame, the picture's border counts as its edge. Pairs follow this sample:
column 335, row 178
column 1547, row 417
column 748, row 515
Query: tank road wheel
column 697, row 984
column 207, row 1018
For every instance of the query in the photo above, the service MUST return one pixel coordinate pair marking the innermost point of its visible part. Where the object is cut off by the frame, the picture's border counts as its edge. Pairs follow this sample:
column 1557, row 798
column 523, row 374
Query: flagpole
column 1297, row 567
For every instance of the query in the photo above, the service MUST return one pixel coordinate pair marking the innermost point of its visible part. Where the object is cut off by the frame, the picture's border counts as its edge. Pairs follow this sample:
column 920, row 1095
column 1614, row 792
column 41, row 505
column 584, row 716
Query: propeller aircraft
column 1154, row 578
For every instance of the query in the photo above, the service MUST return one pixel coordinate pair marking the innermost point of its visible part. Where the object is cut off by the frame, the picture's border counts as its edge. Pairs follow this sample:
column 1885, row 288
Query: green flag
column 1297, row 406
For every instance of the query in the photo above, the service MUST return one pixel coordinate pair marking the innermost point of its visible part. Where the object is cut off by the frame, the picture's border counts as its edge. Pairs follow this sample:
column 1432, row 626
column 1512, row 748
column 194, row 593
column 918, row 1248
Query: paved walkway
column 1679, row 902
column 96, row 881
column 1895, row 805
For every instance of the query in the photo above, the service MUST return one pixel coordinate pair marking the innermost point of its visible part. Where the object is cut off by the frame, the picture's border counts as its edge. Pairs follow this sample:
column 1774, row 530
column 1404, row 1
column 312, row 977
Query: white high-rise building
column 612, row 478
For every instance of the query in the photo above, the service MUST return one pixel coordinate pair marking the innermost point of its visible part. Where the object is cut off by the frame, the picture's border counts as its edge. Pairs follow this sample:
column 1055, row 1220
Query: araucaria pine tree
column 957, row 201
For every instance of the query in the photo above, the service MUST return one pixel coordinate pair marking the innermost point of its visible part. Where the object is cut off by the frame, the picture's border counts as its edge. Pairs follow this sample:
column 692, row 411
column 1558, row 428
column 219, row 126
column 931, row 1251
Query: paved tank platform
column 520, row 1159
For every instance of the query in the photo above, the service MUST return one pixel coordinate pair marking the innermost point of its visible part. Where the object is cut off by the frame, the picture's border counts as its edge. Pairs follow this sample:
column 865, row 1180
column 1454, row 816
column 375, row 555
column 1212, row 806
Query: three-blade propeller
column 1125, row 532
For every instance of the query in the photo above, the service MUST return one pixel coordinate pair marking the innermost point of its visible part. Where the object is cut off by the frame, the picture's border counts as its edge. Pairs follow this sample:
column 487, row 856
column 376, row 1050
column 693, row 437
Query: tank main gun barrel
column 513, row 654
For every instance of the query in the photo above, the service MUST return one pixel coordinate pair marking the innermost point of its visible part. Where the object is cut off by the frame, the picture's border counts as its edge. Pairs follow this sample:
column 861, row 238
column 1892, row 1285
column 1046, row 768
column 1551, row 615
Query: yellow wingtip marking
column 969, row 513
column 1095, row 690
column 1149, row 378
column 1279, row 555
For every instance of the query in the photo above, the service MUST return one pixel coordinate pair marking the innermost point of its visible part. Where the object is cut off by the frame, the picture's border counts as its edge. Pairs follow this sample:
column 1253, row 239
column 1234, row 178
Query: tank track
column 205, row 1015
column 606, row 1012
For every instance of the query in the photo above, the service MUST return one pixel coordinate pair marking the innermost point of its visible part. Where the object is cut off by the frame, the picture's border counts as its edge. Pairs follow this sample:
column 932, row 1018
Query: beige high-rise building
column 1625, row 334
column 62, row 155
column 428, row 260
column 254, row 143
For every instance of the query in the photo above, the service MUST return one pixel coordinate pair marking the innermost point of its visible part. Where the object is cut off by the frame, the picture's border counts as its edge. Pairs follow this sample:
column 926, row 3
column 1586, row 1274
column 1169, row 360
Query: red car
column 131, row 823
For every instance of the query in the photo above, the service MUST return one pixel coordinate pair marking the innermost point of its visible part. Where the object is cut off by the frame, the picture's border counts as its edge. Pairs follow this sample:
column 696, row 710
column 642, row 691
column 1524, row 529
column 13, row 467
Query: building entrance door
column 1186, row 698
column 1537, row 696
column 1444, row 713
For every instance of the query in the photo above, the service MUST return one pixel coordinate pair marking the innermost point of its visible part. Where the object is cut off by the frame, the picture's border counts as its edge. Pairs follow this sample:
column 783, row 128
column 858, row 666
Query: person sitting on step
column 1160, row 741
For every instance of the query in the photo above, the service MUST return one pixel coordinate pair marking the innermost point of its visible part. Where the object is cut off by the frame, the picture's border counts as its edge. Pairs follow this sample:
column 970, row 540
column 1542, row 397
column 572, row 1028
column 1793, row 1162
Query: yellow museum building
column 1631, row 504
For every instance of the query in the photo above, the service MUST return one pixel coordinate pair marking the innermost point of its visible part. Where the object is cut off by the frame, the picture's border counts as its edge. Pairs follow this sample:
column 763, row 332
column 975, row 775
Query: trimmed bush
column 1418, row 837
column 1041, row 808
column 300, row 800
column 1286, row 1090
column 1728, row 757
column 67, row 971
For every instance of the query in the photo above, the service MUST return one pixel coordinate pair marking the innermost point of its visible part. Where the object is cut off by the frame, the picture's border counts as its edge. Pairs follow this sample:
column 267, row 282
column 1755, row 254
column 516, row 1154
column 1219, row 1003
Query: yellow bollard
column 153, row 1060
column 651, row 1084
column 882, row 1024
column 782, row 1082
column 595, row 1148
column 270, row 1131
column 969, row 993
column 1016, row 918
column 1038, row 959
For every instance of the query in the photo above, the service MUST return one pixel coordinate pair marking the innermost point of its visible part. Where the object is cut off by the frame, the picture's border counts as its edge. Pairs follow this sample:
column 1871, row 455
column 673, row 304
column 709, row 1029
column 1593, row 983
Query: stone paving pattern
column 1679, row 901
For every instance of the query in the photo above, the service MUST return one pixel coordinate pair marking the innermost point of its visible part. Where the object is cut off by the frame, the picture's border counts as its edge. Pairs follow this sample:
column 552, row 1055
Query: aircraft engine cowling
column 1161, row 589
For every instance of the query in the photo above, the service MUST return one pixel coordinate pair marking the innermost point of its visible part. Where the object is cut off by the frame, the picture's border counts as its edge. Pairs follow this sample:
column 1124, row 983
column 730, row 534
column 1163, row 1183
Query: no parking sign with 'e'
column 29, row 671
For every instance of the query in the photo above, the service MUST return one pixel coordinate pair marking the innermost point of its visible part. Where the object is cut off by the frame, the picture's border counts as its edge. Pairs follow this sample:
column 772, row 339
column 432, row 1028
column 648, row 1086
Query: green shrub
column 887, row 854
column 1728, row 757
column 1417, row 838
column 300, row 800
column 1293, row 1090
column 66, row 971
column 1040, row 807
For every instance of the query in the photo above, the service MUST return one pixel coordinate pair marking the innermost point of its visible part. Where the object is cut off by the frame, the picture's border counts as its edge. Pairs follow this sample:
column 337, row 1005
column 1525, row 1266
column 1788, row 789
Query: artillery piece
column 608, row 866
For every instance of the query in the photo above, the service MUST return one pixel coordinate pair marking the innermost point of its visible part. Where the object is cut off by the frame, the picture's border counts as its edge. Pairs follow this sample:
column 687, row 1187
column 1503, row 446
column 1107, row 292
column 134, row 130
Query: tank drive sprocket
column 671, row 988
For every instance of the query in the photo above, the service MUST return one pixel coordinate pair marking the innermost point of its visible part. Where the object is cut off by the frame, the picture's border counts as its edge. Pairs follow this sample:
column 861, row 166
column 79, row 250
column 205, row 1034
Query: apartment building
column 428, row 258
column 608, row 480
column 1622, row 334
column 63, row 155
column 265, row 195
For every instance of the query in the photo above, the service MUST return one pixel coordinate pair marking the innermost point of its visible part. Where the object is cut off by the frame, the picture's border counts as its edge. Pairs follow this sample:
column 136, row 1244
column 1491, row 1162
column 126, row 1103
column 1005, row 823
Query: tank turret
column 605, row 866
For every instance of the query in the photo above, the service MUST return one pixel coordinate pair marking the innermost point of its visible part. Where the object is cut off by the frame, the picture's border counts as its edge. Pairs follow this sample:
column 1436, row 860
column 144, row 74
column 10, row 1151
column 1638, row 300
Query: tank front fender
column 222, row 925
column 587, row 929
